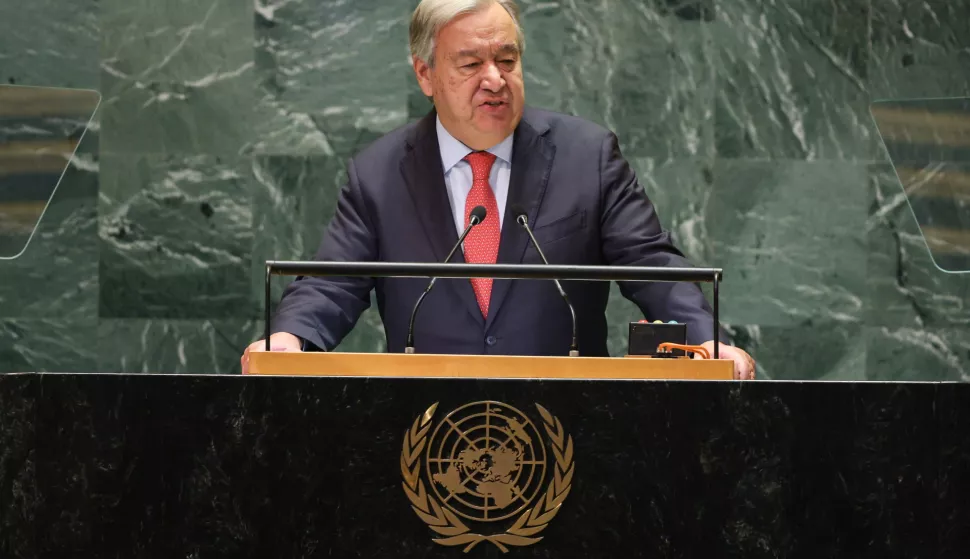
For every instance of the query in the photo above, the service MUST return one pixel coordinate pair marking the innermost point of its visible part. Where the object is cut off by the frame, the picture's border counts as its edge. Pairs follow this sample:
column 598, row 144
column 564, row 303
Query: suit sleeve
column 632, row 236
column 322, row 310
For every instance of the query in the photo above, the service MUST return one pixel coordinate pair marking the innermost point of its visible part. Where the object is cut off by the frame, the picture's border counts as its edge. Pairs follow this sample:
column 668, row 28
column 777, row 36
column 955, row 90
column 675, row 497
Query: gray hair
column 431, row 15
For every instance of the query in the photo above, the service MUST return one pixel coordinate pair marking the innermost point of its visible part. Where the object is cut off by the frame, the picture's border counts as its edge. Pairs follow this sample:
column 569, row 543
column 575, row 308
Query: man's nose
column 492, row 80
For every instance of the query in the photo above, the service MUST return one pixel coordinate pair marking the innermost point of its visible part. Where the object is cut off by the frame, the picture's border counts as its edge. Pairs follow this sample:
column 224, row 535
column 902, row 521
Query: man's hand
column 280, row 341
column 743, row 363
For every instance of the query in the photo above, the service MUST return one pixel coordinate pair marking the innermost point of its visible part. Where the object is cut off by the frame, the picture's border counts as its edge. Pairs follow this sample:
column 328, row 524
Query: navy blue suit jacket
column 584, row 203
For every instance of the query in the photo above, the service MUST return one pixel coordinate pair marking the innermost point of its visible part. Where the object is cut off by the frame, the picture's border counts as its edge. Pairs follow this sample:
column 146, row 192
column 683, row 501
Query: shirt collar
column 453, row 151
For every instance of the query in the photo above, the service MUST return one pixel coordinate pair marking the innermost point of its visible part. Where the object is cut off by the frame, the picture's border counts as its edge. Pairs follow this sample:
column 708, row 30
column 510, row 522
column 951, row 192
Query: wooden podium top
column 488, row 366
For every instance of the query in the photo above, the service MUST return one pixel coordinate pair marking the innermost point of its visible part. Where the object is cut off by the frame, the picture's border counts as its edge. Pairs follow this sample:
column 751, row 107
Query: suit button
column 490, row 340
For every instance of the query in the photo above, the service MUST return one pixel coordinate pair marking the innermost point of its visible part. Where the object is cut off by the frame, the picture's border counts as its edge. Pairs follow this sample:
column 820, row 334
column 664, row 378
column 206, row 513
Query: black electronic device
column 646, row 336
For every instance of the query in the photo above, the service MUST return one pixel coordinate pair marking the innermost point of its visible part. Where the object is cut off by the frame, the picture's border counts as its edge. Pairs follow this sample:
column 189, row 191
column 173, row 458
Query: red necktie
column 481, row 244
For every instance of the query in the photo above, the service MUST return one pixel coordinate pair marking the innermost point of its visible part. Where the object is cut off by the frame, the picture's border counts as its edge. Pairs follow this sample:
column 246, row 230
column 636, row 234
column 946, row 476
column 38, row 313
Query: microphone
column 476, row 216
column 522, row 218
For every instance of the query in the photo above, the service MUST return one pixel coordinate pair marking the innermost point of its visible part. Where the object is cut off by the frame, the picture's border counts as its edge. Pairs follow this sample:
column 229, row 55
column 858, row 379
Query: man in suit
column 410, row 193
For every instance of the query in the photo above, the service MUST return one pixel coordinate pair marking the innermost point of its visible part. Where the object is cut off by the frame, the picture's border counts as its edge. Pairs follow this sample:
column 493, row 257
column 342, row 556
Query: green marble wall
column 224, row 129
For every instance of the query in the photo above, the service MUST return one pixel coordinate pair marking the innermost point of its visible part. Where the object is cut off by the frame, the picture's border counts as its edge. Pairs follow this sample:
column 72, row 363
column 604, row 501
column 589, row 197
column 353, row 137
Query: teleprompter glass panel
column 928, row 141
column 40, row 129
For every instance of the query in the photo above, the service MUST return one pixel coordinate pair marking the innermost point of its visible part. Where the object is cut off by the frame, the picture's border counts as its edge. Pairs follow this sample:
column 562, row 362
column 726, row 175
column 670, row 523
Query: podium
column 488, row 458
column 487, row 366
column 439, row 455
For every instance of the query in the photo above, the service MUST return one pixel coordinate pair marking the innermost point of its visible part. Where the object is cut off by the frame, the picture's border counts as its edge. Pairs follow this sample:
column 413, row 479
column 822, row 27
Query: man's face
column 476, row 82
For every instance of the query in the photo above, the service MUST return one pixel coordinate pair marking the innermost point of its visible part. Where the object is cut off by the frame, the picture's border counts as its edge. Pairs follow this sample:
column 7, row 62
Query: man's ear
column 423, row 72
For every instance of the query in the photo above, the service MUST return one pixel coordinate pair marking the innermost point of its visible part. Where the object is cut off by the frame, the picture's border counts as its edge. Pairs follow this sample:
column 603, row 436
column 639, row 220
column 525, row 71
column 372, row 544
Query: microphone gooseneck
column 476, row 216
column 522, row 218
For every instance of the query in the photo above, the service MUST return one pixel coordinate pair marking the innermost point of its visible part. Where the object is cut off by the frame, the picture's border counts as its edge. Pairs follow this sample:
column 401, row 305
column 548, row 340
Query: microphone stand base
column 409, row 350
column 574, row 353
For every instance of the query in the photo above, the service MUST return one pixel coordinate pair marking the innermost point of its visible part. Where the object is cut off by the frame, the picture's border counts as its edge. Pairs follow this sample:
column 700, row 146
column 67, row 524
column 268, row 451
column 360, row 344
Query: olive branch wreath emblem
column 447, row 524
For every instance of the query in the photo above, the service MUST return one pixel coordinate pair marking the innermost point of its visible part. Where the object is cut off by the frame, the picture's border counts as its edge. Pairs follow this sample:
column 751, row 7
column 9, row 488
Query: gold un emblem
column 485, row 464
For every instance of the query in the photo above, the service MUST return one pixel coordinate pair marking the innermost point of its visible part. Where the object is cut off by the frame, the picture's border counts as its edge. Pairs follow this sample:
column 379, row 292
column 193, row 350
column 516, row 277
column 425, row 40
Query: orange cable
column 702, row 351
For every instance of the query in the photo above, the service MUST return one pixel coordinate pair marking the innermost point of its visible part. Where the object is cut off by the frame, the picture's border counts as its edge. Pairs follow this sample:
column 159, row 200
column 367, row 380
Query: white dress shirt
column 458, row 173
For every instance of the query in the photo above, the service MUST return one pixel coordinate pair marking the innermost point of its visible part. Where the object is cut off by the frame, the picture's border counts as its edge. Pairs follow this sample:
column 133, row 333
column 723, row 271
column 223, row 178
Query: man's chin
column 499, row 125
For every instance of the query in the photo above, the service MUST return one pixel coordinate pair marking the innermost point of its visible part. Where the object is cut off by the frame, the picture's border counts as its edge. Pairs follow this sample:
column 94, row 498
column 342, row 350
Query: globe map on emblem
column 486, row 461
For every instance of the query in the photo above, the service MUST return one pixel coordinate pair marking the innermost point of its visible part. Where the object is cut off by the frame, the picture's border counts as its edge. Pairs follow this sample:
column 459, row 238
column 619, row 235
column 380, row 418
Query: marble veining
column 225, row 128
column 175, row 237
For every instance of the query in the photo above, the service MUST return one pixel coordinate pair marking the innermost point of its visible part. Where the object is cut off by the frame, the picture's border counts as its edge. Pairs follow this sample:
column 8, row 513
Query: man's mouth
column 494, row 103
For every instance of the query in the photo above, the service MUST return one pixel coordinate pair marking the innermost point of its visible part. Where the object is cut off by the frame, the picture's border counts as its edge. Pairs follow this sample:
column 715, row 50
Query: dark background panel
column 954, row 472
column 18, row 482
column 172, row 466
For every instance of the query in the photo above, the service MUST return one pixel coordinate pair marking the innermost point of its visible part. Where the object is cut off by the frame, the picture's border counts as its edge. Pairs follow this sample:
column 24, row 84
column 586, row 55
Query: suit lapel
column 532, row 157
column 425, row 180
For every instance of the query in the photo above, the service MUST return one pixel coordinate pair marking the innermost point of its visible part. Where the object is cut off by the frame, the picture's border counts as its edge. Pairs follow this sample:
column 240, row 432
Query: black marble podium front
column 201, row 467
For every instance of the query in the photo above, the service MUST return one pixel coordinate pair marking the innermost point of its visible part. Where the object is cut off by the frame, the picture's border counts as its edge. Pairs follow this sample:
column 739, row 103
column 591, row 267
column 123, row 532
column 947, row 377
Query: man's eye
column 472, row 65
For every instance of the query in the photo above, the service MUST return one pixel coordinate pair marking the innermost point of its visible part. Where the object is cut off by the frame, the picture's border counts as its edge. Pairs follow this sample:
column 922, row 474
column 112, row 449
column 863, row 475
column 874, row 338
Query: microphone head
column 477, row 215
column 520, row 214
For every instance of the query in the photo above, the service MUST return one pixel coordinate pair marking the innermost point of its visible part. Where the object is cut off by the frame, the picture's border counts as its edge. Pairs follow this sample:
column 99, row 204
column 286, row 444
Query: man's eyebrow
column 468, row 52
column 507, row 48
